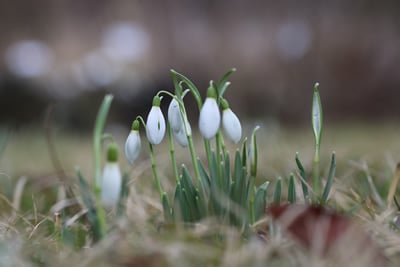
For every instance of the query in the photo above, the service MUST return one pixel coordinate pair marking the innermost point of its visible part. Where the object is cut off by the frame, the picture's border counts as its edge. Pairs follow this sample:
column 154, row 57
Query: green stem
column 316, row 181
column 251, row 202
column 98, row 136
column 172, row 153
column 97, row 154
column 218, row 156
column 154, row 168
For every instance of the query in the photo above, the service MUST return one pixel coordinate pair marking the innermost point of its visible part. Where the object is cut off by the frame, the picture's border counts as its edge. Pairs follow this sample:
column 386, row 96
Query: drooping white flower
column 181, row 136
column 155, row 125
column 210, row 117
column 175, row 116
column 230, row 123
column 133, row 143
column 111, row 179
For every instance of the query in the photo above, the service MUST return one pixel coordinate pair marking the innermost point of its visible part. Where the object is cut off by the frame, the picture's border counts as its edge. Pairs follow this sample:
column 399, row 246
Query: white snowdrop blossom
column 230, row 123
column 111, row 179
column 133, row 143
column 210, row 117
column 155, row 125
column 175, row 116
column 181, row 135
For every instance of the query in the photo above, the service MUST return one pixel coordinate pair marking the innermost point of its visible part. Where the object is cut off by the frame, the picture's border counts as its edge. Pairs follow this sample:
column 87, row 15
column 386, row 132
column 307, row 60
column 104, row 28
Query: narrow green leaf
column 253, row 154
column 123, row 195
column 291, row 190
column 201, row 205
column 205, row 179
column 226, row 174
column 317, row 115
column 225, row 77
column 329, row 181
column 250, row 188
column 222, row 89
column 260, row 201
column 214, row 168
column 91, row 213
column 278, row 191
column 167, row 208
column 187, row 181
column 244, row 153
column 191, row 86
column 98, row 134
column 304, row 179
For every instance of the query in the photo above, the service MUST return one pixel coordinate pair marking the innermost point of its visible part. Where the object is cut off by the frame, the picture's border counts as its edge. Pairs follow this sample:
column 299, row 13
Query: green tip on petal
column 211, row 92
column 112, row 153
column 156, row 101
column 224, row 104
column 135, row 125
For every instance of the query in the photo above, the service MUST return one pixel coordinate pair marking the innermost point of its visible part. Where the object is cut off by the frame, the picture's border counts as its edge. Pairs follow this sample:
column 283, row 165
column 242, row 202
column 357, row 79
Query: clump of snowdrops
column 223, row 186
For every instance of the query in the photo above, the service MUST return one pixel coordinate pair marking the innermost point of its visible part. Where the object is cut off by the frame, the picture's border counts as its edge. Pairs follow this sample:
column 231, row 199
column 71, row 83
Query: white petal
column 132, row 146
column 155, row 126
column 111, row 184
column 231, row 125
column 181, row 135
column 210, row 118
column 174, row 115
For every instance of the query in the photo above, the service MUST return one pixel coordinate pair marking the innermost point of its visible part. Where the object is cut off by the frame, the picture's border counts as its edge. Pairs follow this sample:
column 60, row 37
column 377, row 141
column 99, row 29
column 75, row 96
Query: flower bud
column 155, row 125
column 181, row 135
column 210, row 117
column 230, row 123
column 174, row 116
column 133, row 143
column 111, row 179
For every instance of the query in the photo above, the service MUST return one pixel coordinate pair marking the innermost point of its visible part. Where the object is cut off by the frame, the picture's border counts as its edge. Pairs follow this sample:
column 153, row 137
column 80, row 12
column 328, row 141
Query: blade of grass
column 329, row 181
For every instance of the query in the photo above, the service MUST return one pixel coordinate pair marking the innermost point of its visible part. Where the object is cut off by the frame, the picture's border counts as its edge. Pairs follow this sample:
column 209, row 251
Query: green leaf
column 98, row 134
column 191, row 86
column 226, row 174
column 329, row 181
column 222, row 89
column 244, row 153
column 239, row 189
column 278, row 191
column 260, row 201
column 123, row 195
column 187, row 181
column 91, row 213
column 225, row 77
column 317, row 115
column 304, row 179
column 214, row 168
column 253, row 152
column 167, row 208
column 291, row 190
column 205, row 179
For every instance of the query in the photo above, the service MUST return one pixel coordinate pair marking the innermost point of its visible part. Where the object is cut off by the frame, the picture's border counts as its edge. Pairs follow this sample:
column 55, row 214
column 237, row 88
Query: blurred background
column 67, row 54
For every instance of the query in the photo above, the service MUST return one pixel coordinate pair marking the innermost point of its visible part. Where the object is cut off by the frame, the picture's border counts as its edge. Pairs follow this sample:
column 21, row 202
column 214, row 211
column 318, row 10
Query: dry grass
column 28, row 236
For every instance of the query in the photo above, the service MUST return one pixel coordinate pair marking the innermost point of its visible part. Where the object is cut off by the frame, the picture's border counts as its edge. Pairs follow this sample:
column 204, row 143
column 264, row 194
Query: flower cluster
column 209, row 123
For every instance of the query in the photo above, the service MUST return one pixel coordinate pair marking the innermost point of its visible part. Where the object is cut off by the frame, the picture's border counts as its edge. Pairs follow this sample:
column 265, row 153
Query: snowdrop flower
column 133, row 143
column 230, row 123
column 155, row 125
column 111, row 179
column 210, row 117
column 177, row 125
column 174, row 116
column 182, row 134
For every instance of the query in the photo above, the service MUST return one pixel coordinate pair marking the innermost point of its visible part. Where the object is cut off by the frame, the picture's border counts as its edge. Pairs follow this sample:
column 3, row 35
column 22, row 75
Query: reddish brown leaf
column 324, row 231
